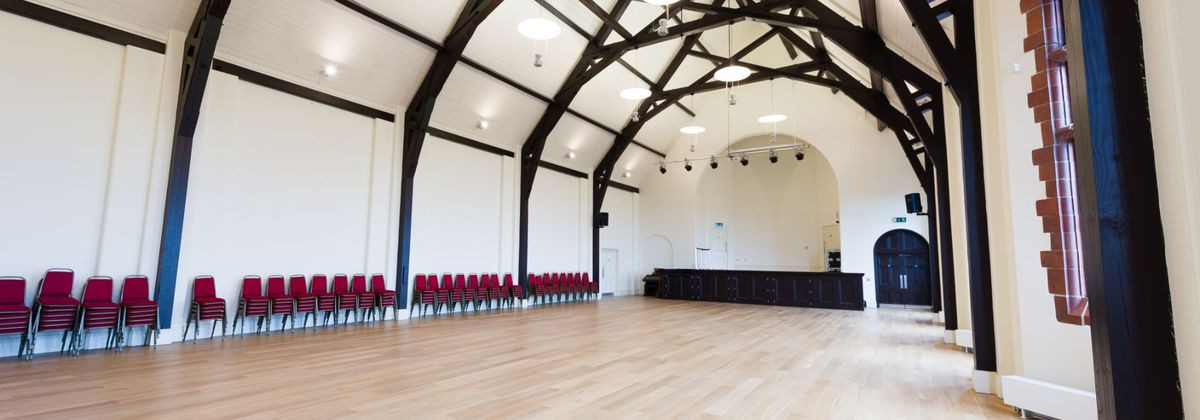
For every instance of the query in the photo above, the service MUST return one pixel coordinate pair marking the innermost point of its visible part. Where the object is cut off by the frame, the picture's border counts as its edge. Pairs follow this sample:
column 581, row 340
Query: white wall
column 458, row 199
column 1171, row 63
column 622, row 235
column 773, row 213
column 871, row 171
column 82, row 157
column 560, row 223
column 282, row 185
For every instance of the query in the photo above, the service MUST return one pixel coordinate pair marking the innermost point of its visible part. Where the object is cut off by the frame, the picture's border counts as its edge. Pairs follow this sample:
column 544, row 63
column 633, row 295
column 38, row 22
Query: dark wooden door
column 902, row 269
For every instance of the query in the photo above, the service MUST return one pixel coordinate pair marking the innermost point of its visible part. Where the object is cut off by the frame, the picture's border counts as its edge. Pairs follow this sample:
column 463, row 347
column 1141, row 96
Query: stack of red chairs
column 252, row 303
column 303, row 300
column 14, row 315
column 514, row 291
column 346, row 300
column 496, row 292
column 280, row 302
column 97, row 311
column 326, row 300
column 206, row 306
column 53, row 308
column 366, row 299
column 137, row 309
column 384, row 298
column 423, row 294
column 474, row 289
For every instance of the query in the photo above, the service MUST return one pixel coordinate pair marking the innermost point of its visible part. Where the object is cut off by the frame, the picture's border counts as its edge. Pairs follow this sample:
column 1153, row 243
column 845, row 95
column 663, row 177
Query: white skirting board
column 987, row 382
column 1049, row 399
column 964, row 339
column 948, row 336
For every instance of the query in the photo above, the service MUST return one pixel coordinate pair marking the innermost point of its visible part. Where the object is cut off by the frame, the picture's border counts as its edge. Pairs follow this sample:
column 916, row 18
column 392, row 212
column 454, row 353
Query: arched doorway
column 902, row 269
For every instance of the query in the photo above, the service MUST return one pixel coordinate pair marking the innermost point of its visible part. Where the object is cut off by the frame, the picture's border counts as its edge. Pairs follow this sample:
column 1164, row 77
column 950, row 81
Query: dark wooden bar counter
column 784, row 288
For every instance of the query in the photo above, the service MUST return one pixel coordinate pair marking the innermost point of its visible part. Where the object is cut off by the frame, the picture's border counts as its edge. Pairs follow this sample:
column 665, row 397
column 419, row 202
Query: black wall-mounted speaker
column 602, row 221
column 913, row 203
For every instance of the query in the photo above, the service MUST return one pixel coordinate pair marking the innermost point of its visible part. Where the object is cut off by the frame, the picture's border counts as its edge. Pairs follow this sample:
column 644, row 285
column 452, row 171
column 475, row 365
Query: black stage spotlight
column 773, row 158
column 744, row 161
column 687, row 166
column 662, row 169
column 799, row 155
column 713, row 163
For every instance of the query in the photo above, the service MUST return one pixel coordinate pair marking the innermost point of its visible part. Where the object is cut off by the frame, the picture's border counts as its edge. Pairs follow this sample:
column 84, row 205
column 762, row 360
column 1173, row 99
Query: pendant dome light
column 692, row 128
column 773, row 119
column 662, row 2
column 732, row 72
column 539, row 29
column 635, row 93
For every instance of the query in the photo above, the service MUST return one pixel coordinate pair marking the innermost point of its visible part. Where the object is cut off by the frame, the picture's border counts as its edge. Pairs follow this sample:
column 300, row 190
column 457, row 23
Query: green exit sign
column 899, row 220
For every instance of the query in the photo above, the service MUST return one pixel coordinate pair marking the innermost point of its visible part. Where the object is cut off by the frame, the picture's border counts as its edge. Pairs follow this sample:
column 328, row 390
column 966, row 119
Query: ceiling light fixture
column 732, row 73
column 744, row 161
column 329, row 70
column 539, row 29
column 661, row 2
column 662, row 168
column 713, row 163
column 627, row 174
column 635, row 93
column 799, row 155
column 570, row 155
column 772, row 118
column 687, row 166
column 773, row 157
column 692, row 129
column 482, row 125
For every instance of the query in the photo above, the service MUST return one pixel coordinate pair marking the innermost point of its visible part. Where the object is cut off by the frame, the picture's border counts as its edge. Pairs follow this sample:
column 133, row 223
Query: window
column 1055, row 160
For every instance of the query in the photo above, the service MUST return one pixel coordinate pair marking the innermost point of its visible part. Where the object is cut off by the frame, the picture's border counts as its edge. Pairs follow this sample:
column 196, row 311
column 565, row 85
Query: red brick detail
column 1054, row 161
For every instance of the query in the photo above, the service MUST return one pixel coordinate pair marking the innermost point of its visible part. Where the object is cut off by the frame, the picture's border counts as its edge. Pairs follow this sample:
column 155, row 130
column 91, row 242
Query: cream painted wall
column 1171, row 63
column 82, row 157
column 872, row 174
column 560, row 223
column 773, row 213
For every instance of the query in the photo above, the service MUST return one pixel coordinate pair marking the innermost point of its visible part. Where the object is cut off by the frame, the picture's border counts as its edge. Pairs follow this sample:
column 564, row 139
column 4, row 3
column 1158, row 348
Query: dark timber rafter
column 416, row 119
column 957, row 61
column 197, row 62
column 531, row 151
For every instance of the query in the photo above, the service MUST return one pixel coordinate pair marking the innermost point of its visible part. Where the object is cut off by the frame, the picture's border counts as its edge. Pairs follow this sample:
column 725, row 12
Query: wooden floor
column 629, row 357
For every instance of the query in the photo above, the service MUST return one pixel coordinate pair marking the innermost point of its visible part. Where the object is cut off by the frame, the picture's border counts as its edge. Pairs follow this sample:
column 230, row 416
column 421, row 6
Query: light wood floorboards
column 629, row 357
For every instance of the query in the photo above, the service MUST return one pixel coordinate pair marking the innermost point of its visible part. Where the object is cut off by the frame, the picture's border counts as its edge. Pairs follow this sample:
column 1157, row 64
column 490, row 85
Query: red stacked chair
column 302, row 299
column 366, row 299
column 556, row 283
column 205, row 306
column 457, row 290
column 593, row 286
column 513, row 291
column 580, row 288
column 252, row 303
column 441, row 292
column 14, row 315
column 326, row 300
column 383, row 297
column 468, row 291
column 421, row 294
column 346, row 300
column 572, row 285
column 496, row 292
column 137, row 309
column 96, row 311
column 479, row 291
column 535, row 287
column 53, row 308
column 281, row 302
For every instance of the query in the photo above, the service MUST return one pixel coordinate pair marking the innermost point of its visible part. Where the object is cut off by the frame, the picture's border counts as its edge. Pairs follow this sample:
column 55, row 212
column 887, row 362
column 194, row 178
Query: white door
column 609, row 274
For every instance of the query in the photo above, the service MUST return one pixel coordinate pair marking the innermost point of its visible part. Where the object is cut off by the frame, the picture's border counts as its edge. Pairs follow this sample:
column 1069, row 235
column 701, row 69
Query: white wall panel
column 621, row 234
column 457, row 209
column 557, row 240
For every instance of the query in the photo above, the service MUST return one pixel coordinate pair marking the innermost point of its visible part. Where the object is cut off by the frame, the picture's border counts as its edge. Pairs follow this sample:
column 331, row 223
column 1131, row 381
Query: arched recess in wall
column 658, row 252
column 763, row 215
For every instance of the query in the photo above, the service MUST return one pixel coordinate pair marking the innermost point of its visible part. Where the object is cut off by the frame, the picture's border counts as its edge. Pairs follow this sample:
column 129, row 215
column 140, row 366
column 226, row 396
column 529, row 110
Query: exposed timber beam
column 197, row 63
column 957, row 61
column 870, row 20
column 606, row 19
column 416, row 120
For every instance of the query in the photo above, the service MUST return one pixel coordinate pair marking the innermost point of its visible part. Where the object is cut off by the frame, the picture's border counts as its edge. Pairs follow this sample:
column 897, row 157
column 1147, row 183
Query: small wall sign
column 899, row 220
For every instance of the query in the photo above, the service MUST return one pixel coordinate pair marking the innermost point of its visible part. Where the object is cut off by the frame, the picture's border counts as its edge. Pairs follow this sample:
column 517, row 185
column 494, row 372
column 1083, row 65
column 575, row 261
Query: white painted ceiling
column 377, row 66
